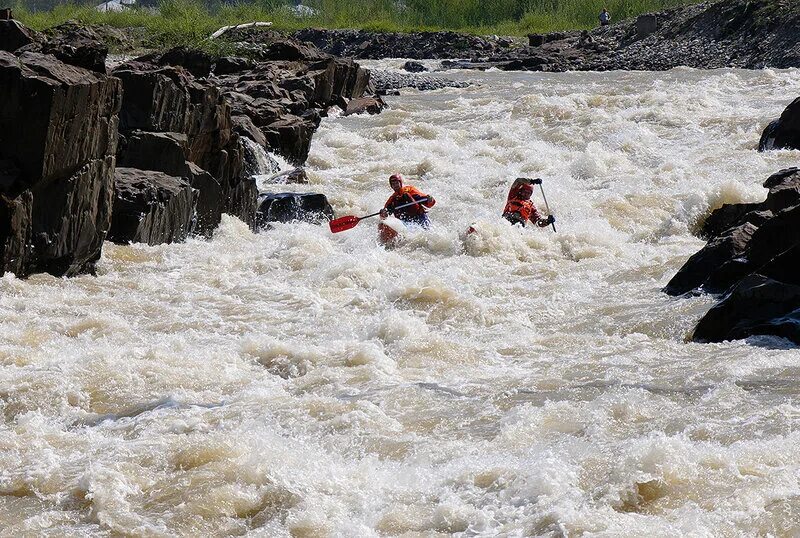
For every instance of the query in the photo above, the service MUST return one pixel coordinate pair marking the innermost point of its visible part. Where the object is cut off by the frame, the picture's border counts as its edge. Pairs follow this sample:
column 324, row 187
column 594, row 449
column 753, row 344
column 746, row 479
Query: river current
column 515, row 382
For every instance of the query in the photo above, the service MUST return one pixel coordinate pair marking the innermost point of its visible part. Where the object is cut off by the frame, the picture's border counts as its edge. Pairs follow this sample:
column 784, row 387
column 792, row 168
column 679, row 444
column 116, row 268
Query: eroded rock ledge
column 179, row 124
column 751, row 258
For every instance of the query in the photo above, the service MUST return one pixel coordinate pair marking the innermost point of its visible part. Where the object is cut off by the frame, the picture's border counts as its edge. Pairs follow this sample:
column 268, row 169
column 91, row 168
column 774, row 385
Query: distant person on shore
column 413, row 214
column 605, row 17
column 519, row 208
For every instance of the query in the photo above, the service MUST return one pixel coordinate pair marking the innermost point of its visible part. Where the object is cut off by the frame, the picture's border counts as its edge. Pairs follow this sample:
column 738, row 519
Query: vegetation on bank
column 188, row 21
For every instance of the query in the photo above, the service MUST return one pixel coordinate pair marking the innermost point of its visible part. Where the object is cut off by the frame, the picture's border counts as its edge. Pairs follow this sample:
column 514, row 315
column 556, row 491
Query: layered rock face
column 181, row 155
column 783, row 133
column 151, row 207
column 57, row 184
column 176, row 117
column 751, row 255
column 285, row 94
column 181, row 126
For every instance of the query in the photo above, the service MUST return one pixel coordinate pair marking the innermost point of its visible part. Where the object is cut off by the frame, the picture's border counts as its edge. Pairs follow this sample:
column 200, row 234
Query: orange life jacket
column 519, row 202
column 406, row 195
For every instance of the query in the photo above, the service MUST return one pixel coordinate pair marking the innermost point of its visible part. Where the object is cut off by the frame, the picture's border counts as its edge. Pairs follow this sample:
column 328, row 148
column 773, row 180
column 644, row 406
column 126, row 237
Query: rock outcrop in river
column 58, row 138
column 784, row 132
column 752, row 256
column 169, row 120
column 181, row 122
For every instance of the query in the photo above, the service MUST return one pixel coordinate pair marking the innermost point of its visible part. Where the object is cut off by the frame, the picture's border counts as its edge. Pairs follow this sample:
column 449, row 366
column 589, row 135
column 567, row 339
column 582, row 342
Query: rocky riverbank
column 153, row 151
column 752, row 255
column 726, row 33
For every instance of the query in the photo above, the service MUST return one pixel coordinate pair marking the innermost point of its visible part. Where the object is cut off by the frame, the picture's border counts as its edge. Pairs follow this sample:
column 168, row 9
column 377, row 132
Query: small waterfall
column 257, row 161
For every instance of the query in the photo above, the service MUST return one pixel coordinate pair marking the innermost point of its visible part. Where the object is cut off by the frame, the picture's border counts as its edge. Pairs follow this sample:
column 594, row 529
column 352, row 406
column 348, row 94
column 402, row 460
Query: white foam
column 508, row 382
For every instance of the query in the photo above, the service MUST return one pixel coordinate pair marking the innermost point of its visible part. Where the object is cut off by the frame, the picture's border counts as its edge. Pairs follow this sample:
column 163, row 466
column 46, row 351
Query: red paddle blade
column 343, row 223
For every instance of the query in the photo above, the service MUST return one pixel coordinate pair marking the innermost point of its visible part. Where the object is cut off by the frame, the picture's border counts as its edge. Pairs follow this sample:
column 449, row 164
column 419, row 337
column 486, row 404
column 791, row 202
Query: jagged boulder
column 743, row 237
column 726, row 217
column 703, row 268
column 244, row 127
column 370, row 105
column 210, row 199
column 228, row 65
column 292, row 207
column 76, row 44
column 156, row 100
column 196, row 61
column 160, row 152
column 291, row 137
column 64, row 162
column 783, row 133
column 166, row 99
column 755, row 259
column 284, row 97
column 14, row 35
column 763, row 303
column 151, row 207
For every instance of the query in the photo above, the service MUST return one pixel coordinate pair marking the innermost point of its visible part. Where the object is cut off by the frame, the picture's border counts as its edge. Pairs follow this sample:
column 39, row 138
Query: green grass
column 190, row 21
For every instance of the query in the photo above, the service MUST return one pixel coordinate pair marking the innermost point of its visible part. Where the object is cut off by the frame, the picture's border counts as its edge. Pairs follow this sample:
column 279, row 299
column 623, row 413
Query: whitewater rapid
column 516, row 382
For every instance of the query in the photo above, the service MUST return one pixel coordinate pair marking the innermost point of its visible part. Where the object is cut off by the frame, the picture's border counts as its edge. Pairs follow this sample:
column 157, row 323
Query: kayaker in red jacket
column 413, row 214
column 519, row 207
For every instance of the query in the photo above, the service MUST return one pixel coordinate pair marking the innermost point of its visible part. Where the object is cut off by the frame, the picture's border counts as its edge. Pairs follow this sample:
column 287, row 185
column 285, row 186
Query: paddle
column 538, row 181
column 345, row 223
column 547, row 207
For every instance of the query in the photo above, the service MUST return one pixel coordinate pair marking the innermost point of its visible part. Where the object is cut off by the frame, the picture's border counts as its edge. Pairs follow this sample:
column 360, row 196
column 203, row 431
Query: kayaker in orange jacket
column 413, row 214
column 519, row 207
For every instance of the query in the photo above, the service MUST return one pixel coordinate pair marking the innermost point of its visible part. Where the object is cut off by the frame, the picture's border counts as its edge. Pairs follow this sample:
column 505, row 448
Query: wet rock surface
column 291, row 207
column 387, row 81
column 784, row 132
column 751, row 260
column 56, row 211
column 151, row 207
column 364, row 105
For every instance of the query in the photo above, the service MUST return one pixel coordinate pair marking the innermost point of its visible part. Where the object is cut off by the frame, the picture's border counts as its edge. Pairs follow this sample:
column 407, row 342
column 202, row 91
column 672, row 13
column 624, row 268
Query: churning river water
column 516, row 382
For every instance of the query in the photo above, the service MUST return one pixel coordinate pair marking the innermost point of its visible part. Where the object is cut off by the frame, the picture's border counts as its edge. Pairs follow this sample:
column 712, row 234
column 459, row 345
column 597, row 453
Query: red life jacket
column 406, row 195
column 519, row 202
column 524, row 208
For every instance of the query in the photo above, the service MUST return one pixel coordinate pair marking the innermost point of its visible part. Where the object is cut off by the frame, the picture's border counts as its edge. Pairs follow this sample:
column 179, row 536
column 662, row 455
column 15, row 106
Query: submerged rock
column 370, row 105
column 291, row 207
column 414, row 67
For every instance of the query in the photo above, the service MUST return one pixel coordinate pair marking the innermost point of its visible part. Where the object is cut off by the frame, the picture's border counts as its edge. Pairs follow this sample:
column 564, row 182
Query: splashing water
column 511, row 382
column 258, row 162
